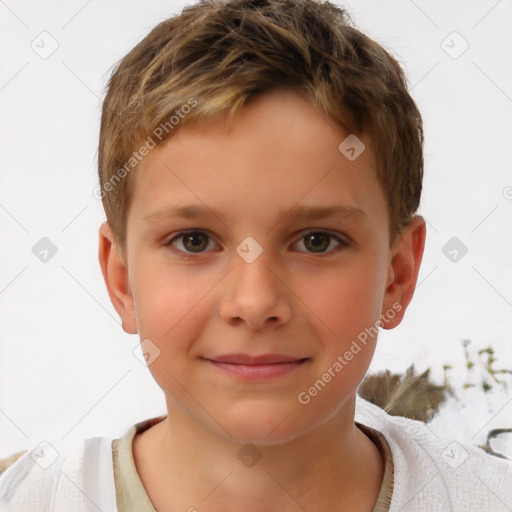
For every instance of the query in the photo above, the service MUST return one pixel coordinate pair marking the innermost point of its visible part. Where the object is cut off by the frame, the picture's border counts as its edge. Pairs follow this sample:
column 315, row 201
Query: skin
column 281, row 153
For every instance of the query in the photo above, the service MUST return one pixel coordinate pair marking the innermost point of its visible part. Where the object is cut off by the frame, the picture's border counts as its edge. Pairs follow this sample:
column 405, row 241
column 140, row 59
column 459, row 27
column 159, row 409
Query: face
column 232, row 257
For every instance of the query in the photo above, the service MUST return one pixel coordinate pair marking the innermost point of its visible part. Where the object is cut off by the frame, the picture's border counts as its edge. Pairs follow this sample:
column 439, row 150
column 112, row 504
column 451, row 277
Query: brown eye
column 319, row 241
column 195, row 241
column 192, row 241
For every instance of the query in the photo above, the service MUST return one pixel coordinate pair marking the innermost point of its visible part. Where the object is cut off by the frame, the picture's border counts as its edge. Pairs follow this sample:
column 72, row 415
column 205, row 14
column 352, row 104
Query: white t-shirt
column 430, row 474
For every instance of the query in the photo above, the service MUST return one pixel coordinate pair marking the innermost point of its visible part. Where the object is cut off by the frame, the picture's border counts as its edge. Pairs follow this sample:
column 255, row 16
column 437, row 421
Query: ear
column 115, row 274
column 403, row 272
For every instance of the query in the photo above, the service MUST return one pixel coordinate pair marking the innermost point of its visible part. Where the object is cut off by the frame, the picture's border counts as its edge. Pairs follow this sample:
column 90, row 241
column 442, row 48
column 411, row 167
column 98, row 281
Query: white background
column 67, row 368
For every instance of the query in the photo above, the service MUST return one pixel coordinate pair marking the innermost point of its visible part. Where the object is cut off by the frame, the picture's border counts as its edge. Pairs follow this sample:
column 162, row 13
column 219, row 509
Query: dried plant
column 409, row 395
column 8, row 461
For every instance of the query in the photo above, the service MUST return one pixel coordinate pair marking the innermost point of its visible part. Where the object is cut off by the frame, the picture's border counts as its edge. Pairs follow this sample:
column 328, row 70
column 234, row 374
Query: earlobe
column 115, row 274
column 403, row 272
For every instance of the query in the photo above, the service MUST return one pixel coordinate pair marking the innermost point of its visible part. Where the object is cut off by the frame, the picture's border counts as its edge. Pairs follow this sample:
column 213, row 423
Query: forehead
column 279, row 152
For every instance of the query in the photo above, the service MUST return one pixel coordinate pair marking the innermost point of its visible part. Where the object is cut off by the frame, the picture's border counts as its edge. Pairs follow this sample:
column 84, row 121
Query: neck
column 335, row 466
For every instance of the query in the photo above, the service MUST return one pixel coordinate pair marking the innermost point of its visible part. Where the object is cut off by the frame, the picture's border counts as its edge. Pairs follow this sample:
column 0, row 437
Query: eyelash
column 343, row 243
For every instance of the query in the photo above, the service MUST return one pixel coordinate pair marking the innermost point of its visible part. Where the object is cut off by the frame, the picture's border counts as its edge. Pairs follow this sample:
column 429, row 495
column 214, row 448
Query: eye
column 196, row 242
column 192, row 241
column 319, row 241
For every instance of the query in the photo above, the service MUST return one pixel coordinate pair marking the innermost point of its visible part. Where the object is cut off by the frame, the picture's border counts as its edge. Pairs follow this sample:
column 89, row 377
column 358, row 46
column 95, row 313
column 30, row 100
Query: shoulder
column 433, row 473
column 71, row 475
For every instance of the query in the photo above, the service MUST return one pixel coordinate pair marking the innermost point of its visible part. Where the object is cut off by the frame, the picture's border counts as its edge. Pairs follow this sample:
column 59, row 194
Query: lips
column 247, row 359
column 256, row 368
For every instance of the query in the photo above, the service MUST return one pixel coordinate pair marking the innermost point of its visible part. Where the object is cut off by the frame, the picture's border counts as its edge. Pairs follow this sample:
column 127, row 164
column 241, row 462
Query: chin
column 262, row 425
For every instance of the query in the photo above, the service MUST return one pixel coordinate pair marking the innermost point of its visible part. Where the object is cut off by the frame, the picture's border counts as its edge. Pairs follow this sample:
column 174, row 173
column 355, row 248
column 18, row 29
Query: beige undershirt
column 131, row 495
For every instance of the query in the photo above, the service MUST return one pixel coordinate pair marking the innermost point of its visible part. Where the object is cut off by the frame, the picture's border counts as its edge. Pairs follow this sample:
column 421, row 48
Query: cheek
column 344, row 302
column 168, row 305
column 171, row 314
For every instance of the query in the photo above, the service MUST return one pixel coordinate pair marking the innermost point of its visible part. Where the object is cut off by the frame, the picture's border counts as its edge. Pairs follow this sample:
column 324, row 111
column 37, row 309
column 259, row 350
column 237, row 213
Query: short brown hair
column 217, row 54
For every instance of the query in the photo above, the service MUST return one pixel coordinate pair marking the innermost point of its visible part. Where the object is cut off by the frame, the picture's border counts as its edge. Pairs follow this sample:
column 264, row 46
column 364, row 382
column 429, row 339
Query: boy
column 260, row 165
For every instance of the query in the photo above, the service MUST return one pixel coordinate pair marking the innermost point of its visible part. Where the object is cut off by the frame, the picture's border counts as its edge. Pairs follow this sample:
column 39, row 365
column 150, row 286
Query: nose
column 255, row 294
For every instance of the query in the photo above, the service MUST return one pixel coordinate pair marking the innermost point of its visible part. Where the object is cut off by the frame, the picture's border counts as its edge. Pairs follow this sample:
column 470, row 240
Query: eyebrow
column 299, row 212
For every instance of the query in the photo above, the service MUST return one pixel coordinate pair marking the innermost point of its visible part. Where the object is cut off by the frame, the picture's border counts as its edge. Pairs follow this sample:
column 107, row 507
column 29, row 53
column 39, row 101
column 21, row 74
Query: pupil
column 317, row 237
column 194, row 238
